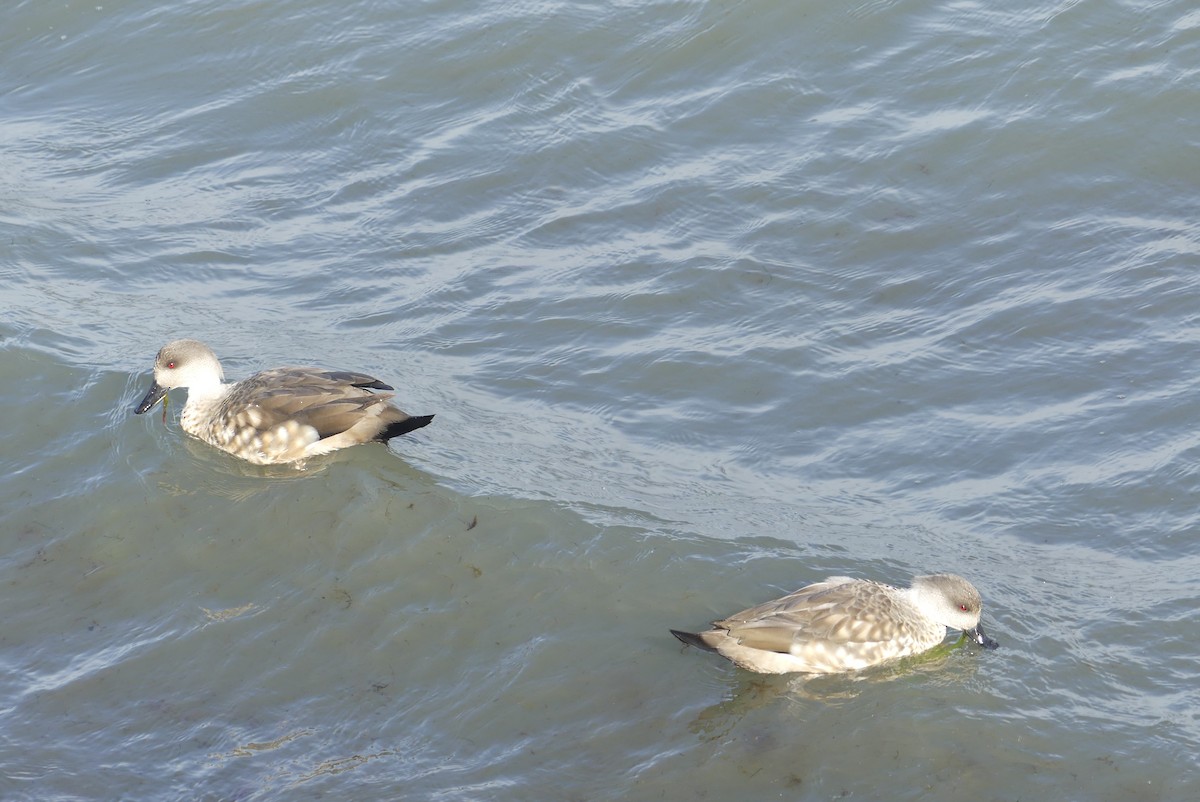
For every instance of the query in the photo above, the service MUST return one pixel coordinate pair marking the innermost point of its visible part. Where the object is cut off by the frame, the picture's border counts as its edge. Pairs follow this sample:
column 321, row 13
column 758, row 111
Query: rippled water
column 710, row 300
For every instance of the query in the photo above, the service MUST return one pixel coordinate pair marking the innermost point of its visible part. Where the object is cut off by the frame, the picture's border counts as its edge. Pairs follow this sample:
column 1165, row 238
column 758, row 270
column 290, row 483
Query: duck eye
column 171, row 365
column 962, row 607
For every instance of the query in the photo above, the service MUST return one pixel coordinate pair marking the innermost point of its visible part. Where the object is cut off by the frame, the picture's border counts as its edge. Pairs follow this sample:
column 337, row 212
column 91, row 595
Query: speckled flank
column 844, row 624
column 247, row 434
column 280, row 415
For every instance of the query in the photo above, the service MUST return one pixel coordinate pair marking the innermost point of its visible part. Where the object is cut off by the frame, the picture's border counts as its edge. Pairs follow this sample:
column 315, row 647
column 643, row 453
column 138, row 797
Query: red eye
column 962, row 607
column 171, row 365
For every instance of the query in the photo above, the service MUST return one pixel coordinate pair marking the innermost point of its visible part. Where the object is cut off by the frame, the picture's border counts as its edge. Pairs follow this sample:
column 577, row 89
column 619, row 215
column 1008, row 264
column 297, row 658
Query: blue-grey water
column 711, row 300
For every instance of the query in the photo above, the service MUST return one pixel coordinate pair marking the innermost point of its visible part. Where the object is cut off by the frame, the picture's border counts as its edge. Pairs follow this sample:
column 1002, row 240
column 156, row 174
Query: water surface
column 711, row 301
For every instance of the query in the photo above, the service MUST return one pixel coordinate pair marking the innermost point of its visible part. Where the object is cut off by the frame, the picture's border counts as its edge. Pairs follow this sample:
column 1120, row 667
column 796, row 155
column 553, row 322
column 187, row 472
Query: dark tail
column 692, row 639
column 404, row 426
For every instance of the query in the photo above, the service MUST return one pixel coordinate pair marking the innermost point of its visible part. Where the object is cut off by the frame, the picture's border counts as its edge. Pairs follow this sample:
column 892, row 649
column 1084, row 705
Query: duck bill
column 979, row 636
column 155, row 394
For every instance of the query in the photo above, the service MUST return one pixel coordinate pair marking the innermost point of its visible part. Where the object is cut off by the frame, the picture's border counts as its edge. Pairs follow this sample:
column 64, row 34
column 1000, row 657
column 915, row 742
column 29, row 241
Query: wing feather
column 329, row 401
column 837, row 612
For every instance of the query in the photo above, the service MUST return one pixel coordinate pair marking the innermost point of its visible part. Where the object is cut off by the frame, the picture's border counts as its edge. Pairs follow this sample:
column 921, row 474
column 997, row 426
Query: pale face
column 183, row 363
column 953, row 601
column 186, row 363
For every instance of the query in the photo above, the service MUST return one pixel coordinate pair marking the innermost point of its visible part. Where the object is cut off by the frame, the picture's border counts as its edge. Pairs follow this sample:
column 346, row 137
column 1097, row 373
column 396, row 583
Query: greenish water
column 710, row 301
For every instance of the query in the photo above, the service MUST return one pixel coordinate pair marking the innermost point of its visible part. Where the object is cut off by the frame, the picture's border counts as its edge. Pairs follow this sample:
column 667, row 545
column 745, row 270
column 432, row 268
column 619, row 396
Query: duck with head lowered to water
column 844, row 624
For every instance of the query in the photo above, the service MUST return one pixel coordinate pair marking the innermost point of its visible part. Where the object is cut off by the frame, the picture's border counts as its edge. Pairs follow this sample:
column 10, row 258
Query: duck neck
column 202, row 397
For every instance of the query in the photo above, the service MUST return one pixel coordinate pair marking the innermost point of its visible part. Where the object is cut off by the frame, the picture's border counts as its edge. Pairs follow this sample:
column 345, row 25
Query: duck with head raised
column 283, row 415
column 844, row 624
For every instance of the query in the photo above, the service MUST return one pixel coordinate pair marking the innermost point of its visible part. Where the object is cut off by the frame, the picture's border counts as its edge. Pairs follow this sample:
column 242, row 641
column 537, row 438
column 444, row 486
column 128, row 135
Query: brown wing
column 838, row 612
column 330, row 401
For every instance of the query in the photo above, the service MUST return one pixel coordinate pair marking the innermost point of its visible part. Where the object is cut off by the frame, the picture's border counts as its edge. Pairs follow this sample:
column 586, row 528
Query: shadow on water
column 940, row 665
